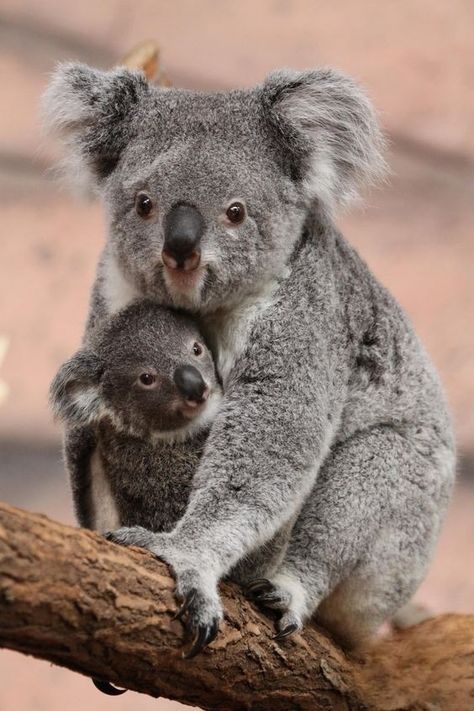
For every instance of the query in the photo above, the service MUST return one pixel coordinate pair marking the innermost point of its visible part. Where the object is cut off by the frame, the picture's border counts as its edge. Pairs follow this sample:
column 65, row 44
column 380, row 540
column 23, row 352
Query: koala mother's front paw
column 201, row 610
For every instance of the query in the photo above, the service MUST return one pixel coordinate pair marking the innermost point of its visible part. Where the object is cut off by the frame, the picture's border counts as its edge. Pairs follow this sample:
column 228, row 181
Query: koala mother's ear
column 74, row 392
column 329, row 129
column 92, row 111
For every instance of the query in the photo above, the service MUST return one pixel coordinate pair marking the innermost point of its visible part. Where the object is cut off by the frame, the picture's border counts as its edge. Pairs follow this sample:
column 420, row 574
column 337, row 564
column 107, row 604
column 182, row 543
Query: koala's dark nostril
column 184, row 227
column 190, row 383
column 187, row 264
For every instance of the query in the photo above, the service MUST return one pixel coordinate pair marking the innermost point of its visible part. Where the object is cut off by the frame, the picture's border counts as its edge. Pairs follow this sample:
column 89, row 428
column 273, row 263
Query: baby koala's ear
column 326, row 123
column 92, row 112
column 74, row 392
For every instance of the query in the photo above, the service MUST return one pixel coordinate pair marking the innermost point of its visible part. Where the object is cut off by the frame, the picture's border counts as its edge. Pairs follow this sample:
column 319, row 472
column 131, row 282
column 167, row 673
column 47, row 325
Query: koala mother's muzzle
column 184, row 227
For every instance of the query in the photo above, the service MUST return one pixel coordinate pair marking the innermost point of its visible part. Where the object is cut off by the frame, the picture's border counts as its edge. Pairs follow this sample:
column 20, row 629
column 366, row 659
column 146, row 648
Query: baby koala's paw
column 283, row 594
column 131, row 536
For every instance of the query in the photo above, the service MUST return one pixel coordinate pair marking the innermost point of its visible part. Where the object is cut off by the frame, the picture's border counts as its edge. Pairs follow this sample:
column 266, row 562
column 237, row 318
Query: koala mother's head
column 207, row 193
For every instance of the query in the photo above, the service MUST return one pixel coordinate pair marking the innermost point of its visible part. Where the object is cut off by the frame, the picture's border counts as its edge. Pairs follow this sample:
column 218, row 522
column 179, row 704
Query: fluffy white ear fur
column 64, row 103
column 333, row 129
column 74, row 393
column 89, row 110
column 85, row 403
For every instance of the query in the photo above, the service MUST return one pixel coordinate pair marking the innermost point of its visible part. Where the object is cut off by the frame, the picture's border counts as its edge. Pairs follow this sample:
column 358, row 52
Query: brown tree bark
column 68, row 596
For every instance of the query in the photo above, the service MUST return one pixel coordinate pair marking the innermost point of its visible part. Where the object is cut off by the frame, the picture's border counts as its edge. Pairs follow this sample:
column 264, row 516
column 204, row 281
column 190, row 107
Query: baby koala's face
column 149, row 372
column 159, row 376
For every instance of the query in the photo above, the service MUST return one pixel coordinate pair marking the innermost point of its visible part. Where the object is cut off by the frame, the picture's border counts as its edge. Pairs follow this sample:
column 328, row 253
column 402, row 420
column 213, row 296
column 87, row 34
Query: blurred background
column 416, row 57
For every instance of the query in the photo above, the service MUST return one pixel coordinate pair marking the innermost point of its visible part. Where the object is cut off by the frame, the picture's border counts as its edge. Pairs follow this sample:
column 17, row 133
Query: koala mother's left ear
column 92, row 111
column 329, row 129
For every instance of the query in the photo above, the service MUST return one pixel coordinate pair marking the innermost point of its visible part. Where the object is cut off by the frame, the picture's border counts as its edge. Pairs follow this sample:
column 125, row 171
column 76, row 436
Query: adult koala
column 222, row 204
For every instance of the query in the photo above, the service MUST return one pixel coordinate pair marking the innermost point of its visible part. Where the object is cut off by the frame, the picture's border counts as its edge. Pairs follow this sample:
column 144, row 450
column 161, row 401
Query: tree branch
column 69, row 596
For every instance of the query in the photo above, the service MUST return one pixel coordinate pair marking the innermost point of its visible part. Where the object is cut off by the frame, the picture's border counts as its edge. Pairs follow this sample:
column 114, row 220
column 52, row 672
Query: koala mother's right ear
column 74, row 392
column 92, row 111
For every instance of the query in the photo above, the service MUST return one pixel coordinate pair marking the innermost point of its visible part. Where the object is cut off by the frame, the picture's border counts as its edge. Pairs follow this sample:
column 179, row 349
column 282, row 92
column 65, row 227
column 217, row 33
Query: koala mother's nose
column 190, row 383
column 184, row 227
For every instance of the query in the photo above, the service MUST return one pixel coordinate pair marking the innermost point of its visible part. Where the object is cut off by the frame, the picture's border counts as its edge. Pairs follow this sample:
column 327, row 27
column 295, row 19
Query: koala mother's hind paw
column 264, row 592
column 287, row 631
column 288, row 625
column 267, row 594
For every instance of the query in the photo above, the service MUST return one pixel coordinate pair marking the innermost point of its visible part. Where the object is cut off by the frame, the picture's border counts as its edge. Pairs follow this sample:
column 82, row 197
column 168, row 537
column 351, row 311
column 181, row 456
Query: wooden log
column 68, row 596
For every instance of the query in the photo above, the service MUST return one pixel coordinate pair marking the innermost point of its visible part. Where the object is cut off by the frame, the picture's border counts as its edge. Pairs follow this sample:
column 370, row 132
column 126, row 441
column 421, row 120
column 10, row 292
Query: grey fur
column 332, row 412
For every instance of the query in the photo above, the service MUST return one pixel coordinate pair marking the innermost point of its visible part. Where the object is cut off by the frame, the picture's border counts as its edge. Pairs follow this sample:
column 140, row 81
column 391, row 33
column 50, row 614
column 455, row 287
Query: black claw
column 110, row 536
column 256, row 587
column 199, row 643
column 106, row 687
column 206, row 634
column 188, row 600
column 286, row 631
column 213, row 631
column 267, row 597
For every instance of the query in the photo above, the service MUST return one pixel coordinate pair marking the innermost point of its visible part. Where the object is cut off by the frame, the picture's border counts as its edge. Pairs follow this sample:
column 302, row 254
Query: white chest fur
column 229, row 329
column 117, row 291
column 106, row 516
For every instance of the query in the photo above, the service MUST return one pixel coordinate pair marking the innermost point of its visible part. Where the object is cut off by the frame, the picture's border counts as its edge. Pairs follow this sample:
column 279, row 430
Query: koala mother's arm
column 260, row 462
column 282, row 401
column 261, row 459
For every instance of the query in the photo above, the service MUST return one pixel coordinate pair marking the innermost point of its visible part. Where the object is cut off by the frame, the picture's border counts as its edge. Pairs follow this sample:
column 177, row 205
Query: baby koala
column 148, row 384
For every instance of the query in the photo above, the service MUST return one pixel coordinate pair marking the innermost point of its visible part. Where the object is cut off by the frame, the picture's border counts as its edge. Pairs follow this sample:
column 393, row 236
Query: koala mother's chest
column 229, row 332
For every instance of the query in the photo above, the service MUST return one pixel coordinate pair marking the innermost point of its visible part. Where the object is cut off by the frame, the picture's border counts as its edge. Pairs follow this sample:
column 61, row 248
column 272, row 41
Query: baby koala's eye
column 147, row 380
column 143, row 205
column 197, row 349
column 236, row 213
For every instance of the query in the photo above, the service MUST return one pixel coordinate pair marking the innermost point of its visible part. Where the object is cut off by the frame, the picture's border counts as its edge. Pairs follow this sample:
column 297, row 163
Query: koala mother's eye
column 143, row 205
column 197, row 349
column 147, row 380
column 236, row 213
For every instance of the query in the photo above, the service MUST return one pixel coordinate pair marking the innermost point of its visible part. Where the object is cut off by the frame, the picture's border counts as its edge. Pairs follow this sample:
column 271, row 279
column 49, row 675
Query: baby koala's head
column 148, row 372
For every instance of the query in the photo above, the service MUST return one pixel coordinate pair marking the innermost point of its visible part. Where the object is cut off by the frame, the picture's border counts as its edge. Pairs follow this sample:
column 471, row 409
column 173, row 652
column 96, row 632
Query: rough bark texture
column 70, row 597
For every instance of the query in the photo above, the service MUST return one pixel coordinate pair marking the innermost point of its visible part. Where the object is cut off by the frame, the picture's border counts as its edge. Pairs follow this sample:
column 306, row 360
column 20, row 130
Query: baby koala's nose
column 190, row 384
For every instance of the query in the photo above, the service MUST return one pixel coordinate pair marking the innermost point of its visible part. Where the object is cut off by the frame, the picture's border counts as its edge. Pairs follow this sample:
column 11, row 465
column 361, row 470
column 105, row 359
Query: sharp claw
column 267, row 597
column 112, row 538
column 188, row 600
column 199, row 643
column 206, row 634
column 213, row 632
column 106, row 687
column 286, row 631
column 259, row 586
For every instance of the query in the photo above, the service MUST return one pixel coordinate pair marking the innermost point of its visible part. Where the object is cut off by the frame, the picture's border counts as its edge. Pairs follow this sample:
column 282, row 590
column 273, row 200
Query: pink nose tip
column 186, row 264
column 194, row 402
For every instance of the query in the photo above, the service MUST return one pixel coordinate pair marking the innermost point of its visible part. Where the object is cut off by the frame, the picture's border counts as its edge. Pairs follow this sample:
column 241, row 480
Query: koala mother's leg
column 364, row 537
